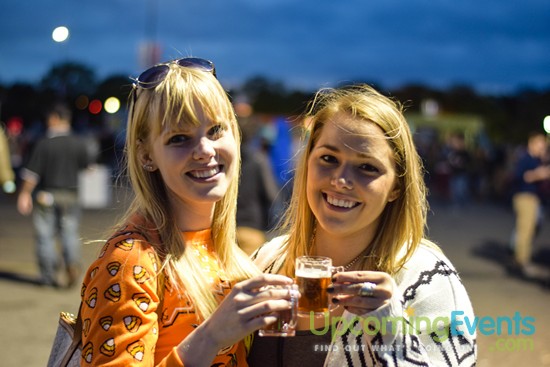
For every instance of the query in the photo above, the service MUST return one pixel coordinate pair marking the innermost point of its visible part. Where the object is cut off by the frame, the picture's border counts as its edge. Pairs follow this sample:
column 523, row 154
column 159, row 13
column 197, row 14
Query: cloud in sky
column 493, row 45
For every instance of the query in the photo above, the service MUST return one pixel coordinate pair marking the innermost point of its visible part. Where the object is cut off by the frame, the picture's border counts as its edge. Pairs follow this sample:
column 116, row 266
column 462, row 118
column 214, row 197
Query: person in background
column 359, row 198
column 7, row 176
column 171, row 287
column 257, row 193
column 52, row 175
column 460, row 162
column 529, row 173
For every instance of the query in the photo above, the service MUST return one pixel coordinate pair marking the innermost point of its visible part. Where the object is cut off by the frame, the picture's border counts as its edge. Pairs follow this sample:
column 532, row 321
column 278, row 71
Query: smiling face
column 196, row 162
column 351, row 176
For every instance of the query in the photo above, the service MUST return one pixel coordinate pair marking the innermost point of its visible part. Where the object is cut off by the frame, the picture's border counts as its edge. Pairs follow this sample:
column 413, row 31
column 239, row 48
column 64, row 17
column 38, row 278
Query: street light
column 60, row 34
column 546, row 124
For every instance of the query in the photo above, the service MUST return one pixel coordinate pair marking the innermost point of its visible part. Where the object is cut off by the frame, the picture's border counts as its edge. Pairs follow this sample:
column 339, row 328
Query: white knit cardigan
column 429, row 313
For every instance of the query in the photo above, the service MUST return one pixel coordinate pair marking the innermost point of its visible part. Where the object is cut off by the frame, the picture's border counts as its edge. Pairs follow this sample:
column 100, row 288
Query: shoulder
column 431, row 273
column 127, row 253
column 427, row 256
column 41, row 144
column 127, row 244
column 427, row 266
column 270, row 253
column 77, row 141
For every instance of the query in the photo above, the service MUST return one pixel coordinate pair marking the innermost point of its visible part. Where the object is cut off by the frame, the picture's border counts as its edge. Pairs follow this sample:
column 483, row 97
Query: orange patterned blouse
column 120, row 301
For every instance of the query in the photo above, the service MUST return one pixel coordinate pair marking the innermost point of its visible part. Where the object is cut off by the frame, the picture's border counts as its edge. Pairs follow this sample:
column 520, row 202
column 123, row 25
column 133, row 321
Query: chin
column 214, row 195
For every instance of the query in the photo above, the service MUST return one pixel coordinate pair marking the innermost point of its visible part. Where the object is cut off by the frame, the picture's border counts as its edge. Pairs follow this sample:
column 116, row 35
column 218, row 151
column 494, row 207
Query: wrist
column 199, row 348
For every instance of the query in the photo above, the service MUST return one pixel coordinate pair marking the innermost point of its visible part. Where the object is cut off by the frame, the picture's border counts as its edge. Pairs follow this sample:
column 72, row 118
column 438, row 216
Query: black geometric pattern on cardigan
column 361, row 351
column 441, row 268
column 373, row 356
column 457, row 343
column 346, row 344
column 410, row 343
column 415, row 349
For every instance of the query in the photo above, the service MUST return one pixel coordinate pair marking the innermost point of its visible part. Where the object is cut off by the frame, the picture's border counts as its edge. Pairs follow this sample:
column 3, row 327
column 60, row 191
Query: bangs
column 187, row 97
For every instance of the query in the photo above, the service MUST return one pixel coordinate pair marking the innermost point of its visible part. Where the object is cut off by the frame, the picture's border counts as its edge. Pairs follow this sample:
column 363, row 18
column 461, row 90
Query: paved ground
column 473, row 238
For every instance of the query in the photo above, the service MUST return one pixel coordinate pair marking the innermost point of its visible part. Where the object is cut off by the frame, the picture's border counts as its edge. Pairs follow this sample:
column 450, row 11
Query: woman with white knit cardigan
column 359, row 198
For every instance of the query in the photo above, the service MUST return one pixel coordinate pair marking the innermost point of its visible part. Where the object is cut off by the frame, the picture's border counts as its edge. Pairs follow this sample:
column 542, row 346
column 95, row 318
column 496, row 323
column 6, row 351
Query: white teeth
column 205, row 173
column 340, row 203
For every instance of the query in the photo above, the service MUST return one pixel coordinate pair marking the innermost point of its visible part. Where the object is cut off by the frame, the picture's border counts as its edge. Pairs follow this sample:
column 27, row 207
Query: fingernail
column 330, row 289
column 335, row 300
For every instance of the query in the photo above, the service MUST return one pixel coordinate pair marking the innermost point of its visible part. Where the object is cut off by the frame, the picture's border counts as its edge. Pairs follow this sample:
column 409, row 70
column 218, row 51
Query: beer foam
column 313, row 273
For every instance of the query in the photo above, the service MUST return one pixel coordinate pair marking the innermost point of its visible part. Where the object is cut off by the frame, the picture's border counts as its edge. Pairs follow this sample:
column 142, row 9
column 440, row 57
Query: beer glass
column 313, row 276
column 287, row 319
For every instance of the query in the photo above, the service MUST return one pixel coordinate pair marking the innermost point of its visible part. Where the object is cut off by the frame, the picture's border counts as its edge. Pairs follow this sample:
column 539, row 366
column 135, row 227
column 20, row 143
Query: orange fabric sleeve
column 119, row 305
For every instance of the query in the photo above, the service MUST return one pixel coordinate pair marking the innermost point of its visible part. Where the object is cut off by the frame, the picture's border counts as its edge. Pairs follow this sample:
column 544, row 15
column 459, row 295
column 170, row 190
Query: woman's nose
column 341, row 180
column 204, row 149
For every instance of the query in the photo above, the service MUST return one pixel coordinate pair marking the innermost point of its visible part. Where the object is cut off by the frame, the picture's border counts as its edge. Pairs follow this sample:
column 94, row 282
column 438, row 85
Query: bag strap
column 77, row 339
column 160, row 293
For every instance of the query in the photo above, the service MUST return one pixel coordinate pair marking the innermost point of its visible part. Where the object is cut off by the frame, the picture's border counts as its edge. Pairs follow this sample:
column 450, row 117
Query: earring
column 148, row 167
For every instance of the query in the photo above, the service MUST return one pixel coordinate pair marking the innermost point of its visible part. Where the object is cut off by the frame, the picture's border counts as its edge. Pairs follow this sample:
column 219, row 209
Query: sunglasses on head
column 152, row 77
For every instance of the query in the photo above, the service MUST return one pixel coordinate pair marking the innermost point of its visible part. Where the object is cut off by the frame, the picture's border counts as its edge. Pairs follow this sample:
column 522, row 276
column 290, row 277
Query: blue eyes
column 214, row 133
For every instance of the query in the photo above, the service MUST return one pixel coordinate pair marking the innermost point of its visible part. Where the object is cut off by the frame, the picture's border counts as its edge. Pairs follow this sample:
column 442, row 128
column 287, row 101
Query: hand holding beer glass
column 287, row 319
column 313, row 276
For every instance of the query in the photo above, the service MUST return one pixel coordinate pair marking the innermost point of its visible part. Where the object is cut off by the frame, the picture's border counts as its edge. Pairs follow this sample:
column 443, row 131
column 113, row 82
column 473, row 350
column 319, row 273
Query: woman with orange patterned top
column 171, row 287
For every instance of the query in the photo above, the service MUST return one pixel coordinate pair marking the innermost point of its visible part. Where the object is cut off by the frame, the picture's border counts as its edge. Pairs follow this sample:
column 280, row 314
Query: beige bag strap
column 160, row 293
column 77, row 339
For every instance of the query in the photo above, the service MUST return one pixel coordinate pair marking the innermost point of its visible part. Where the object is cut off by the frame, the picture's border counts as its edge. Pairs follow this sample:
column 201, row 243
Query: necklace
column 352, row 262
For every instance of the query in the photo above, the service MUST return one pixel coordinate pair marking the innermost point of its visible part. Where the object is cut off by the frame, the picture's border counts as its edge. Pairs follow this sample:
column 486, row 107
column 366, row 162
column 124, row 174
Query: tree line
column 508, row 118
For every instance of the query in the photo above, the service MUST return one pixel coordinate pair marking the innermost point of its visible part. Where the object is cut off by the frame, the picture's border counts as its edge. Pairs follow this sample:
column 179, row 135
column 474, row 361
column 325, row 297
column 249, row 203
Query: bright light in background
column 111, row 105
column 60, row 34
column 546, row 124
column 95, row 107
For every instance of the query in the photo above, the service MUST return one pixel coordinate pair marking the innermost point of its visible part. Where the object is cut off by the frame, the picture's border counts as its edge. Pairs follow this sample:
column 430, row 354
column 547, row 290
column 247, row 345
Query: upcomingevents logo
column 511, row 328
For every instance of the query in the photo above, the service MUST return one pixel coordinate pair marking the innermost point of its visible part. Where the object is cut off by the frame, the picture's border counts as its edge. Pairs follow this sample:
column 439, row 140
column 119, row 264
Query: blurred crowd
column 458, row 172
column 458, row 169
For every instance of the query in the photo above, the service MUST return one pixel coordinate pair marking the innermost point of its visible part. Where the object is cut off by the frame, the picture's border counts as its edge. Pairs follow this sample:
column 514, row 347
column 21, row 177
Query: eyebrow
column 335, row 149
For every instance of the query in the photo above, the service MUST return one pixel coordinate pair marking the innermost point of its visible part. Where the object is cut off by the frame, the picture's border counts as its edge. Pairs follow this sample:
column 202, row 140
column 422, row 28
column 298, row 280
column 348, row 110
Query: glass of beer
column 313, row 276
column 287, row 319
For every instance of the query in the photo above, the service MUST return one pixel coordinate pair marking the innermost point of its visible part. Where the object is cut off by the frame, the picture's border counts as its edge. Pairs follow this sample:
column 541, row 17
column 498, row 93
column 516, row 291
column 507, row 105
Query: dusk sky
column 496, row 46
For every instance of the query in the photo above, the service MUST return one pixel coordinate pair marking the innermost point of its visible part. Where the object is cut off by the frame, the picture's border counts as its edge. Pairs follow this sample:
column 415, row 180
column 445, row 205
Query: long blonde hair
column 403, row 220
column 176, row 99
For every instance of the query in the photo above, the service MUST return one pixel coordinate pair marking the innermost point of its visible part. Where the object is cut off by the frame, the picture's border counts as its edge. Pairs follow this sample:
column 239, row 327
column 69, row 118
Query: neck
column 192, row 218
column 341, row 249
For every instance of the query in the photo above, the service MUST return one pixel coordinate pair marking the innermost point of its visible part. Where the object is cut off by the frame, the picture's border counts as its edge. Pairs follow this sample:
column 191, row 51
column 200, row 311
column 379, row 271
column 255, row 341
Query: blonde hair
column 403, row 220
column 175, row 100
